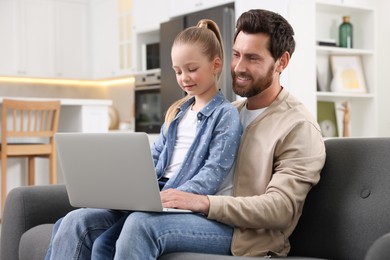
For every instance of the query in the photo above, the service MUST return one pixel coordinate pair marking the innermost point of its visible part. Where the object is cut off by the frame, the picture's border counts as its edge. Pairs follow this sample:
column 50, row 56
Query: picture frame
column 348, row 74
column 327, row 118
column 321, row 86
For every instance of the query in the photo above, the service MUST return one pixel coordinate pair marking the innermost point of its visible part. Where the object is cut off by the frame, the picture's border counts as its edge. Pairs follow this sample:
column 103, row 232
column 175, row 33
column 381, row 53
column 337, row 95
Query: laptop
column 113, row 170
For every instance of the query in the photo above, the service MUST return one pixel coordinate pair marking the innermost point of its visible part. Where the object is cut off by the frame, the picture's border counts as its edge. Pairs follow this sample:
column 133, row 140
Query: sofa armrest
column 27, row 207
column 380, row 249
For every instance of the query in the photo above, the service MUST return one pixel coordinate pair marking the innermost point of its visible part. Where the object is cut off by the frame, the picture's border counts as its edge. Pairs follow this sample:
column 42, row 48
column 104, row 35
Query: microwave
column 151, row 56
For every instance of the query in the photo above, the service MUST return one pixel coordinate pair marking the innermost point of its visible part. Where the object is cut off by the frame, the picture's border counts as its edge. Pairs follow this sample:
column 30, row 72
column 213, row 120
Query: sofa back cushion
column 350, row 207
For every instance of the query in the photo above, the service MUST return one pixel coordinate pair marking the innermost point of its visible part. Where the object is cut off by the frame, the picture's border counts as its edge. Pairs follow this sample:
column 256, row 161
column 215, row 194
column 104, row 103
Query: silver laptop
column 112, row 170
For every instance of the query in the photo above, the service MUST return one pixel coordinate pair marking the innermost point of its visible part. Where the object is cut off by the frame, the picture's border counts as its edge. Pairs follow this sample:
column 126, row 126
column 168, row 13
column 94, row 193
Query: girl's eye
column 192, row 70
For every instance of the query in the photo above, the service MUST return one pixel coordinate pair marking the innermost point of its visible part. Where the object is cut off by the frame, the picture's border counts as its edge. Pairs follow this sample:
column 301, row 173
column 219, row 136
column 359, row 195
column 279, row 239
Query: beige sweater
column 280, row 158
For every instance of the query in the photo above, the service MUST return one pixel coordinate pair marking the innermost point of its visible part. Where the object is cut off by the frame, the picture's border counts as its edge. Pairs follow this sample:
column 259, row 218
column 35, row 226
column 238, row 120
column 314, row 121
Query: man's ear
column 283, row 61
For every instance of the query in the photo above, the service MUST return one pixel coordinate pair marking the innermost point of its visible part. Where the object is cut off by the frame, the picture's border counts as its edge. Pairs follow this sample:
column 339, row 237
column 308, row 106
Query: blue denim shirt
column 212, row 153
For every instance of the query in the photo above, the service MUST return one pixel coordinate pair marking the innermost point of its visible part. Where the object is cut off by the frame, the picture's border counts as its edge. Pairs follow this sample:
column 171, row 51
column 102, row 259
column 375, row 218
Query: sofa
column 346, row 216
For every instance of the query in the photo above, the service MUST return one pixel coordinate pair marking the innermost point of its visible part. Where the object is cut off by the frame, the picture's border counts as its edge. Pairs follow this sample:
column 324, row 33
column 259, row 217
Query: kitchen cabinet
column 71, row 35
column 104, row 39
column 126, row 33
column 8, row 40
column 113, row 38
column 363, row 106
column 144, row 10
column 27, row 43
column 35, row 39
column 44, row 38
column 179, row 7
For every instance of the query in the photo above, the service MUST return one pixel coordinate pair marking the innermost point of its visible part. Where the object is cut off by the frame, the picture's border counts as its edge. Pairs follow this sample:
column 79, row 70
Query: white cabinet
column 88, row 118
column 44, row 38
column 126, row 39
column 363, row 106
column 143, row 10
column 27, row 36
column 71, row 39
column 112, row 38
column 8, row 60
column 180, row 7
column 104, row 39
column 35, row 38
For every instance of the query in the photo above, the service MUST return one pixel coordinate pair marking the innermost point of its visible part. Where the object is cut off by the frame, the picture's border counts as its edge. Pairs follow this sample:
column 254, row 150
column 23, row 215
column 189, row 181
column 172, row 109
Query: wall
column 383, row 83
column 122, row 97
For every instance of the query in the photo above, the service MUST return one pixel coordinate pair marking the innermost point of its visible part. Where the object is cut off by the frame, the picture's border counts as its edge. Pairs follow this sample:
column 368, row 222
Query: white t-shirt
column 246, row 117
column 186, row 132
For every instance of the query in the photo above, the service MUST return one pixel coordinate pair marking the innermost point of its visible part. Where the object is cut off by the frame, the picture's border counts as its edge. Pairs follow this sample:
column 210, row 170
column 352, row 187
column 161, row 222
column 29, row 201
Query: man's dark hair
column 262, row 21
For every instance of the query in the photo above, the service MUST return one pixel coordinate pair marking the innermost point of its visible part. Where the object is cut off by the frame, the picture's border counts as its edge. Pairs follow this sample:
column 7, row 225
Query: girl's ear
column 217, row 65
column 283, row 62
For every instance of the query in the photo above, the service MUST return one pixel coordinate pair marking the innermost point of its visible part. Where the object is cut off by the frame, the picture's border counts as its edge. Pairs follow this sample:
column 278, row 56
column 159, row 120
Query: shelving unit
column 363, row 116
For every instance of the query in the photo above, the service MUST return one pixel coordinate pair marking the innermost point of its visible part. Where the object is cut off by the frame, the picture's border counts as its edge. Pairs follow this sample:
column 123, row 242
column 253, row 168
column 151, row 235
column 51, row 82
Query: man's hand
column 172, row 198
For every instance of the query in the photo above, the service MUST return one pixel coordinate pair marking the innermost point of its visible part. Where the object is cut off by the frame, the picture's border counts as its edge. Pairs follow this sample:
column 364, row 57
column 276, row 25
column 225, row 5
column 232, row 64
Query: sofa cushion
column 380, row 249
column 349, row 208
column 27, row 207
column 34, row 242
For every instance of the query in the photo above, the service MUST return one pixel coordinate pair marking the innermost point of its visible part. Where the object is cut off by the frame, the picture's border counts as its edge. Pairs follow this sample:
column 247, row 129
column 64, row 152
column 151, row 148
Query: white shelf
column 362, row 105
column 342, row 51
column 326, row 94
column 340, row 8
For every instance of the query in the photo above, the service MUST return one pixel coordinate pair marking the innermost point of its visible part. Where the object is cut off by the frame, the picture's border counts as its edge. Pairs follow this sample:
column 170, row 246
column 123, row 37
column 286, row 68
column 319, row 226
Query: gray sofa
column 346, row 216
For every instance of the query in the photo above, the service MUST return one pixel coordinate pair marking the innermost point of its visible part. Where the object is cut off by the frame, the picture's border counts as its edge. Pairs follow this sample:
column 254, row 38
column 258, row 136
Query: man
column 280, row 159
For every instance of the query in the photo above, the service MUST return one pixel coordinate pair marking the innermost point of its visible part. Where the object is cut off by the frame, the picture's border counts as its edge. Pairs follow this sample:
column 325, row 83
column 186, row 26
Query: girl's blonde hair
column 208, row 37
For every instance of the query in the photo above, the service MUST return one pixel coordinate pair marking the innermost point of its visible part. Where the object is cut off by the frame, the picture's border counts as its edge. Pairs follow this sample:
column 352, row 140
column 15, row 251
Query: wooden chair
column 28, row 129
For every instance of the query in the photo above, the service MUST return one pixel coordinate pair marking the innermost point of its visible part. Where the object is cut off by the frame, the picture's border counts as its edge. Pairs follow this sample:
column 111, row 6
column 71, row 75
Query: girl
column 194, row 152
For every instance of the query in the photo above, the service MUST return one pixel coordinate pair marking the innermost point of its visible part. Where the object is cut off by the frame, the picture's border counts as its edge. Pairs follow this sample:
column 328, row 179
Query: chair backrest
column 350, row 206
column 26, row 119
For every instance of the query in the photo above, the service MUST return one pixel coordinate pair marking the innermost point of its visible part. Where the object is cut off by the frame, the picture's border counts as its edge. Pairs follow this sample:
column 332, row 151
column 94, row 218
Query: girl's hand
column 172, row 198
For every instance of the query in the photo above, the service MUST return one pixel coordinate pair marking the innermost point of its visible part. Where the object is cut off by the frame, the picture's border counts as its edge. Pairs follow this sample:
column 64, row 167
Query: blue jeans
column 74, row 235
column 146, row 236
column 143, row 236
column 104, row 245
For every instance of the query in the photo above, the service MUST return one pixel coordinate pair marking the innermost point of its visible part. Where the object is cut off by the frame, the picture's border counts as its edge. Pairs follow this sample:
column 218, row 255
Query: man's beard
column 257, row 87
